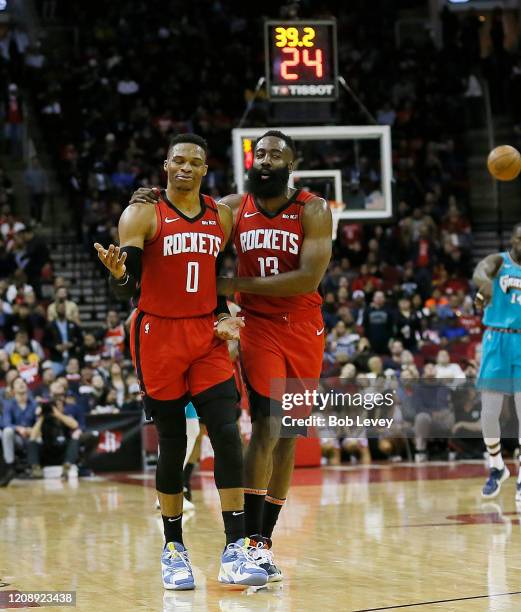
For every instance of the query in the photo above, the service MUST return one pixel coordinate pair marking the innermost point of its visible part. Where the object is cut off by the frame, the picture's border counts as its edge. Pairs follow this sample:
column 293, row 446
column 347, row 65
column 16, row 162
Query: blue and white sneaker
column 175, row 568
column 260, row 552
column 493, row 484
column 518, row 492
column 237, row 566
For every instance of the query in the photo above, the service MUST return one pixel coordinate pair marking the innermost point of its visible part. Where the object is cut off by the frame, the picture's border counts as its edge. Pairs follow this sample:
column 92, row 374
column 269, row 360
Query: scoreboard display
column 301, row 60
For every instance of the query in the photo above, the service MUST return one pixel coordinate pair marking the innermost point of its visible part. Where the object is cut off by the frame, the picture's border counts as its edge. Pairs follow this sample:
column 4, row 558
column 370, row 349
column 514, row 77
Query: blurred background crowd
column 397, row 297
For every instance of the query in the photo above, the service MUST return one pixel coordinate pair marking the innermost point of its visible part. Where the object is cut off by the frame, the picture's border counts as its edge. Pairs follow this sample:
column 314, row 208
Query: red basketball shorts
column 173, row 357
column 283, row 353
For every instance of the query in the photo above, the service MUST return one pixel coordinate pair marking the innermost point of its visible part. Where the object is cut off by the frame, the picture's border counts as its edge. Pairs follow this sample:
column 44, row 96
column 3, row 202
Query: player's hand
column 145, row 195
column 112, row 259
column 484, row 295
column 225, row 285
column 229, row 328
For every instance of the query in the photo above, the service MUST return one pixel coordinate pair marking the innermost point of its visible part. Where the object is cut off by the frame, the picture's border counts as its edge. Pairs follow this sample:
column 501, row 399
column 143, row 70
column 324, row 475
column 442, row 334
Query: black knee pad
column 218, row 408
column 218, row 403
column 168, row 415
column 227, row 448
column 170, row 421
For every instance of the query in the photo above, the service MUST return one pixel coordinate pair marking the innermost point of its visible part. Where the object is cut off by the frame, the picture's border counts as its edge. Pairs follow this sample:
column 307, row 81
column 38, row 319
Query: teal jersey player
column 498, row 278
column 501, row 350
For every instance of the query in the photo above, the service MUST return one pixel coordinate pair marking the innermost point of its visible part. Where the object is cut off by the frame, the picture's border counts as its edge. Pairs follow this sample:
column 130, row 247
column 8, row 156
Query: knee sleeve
column 218, row 408
column 227, row 448
column 170, row 421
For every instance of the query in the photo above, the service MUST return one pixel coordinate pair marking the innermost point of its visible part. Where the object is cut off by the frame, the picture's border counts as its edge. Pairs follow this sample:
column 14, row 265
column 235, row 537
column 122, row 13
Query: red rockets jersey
column 271, row 244
column 178, row 267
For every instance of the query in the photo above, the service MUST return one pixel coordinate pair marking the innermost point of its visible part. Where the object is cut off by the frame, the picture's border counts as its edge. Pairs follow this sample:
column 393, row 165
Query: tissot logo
column 284, row 216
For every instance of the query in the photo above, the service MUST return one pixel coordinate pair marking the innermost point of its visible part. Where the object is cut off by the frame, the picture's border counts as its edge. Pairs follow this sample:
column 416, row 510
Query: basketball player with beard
column 168, row 255
column 283, row 241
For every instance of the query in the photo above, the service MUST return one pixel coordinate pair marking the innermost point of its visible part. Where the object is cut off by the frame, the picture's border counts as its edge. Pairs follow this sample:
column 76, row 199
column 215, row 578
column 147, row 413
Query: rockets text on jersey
column 178, row 268
column 271, row 244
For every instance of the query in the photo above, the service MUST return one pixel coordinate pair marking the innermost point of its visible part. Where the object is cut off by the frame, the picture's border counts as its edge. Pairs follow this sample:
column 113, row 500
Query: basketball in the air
column 504, row 163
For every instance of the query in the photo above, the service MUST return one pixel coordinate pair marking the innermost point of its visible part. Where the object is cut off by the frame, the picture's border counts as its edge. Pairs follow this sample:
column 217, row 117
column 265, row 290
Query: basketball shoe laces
column 243, row 553
column 173, row 555
column 261, row 554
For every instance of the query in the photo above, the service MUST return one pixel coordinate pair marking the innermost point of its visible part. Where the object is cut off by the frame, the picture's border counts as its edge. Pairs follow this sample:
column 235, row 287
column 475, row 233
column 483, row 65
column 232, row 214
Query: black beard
column 275, row 185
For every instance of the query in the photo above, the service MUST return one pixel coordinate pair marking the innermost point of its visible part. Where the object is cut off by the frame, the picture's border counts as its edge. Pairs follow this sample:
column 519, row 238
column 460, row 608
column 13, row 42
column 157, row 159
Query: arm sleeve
column 126, row 288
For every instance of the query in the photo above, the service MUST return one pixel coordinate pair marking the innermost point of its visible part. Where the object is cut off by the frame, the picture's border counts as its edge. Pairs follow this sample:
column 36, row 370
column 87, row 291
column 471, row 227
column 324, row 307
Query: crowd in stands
column 397, row 297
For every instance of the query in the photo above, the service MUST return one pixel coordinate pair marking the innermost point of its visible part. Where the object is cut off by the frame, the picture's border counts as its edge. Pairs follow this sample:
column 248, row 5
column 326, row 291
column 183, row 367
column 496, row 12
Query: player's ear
column 290, row 166
column 165, row 164
column 205, row 170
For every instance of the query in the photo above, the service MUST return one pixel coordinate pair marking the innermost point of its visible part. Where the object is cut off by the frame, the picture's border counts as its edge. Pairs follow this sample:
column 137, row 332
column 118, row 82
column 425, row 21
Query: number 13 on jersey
column 268, row 265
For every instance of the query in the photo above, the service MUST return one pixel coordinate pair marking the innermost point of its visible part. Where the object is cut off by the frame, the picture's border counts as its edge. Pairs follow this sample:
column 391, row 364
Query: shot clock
column 301, row 60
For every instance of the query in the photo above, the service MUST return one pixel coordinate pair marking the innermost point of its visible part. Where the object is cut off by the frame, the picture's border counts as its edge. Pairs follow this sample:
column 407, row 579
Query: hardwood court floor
column 350, row 539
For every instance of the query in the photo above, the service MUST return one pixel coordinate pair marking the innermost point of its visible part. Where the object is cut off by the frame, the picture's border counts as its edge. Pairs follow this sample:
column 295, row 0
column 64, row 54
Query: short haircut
column 190, row 138
column 290, row 143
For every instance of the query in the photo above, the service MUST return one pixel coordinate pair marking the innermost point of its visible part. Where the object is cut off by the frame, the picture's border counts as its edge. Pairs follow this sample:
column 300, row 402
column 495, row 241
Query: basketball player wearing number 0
column 169, row 251
column 283, row 241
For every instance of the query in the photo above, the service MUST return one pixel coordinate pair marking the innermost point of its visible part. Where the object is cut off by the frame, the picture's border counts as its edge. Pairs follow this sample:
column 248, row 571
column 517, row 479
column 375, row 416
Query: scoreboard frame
column 270, row 51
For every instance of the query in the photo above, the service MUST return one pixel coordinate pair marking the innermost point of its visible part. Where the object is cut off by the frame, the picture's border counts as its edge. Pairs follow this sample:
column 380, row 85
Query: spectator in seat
column 363, row 353
column 72, row 312
column 22, row 339
column 19, row 289
column 7, row 392
column 378, row 324
column 433, row 415
column 358, row 307
column 90, row 352
column 73, row 375
column 114, row 335
column 43, row 391
column 343, row 339
column 18, row 418
column 36, row 256
column 407, row 325
column 27, row 364
column 451, row 331
column 21, row 320
column 133, row 399
column 395, row 360
column 63, row 338
column 118, row 383
column 447, row 371
column 5, row 366
column 56, row 434
column 329, row 310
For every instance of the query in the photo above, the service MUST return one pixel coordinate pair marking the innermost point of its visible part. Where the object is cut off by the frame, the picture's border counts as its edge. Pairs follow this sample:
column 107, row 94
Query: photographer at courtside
column 55, row 437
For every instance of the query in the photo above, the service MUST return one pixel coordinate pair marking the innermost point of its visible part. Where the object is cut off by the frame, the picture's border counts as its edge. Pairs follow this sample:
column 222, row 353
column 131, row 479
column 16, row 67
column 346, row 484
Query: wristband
column 124, row 279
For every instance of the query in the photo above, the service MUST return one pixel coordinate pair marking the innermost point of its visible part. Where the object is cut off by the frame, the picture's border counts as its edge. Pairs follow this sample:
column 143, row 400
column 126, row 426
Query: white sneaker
column 260, row 551
column 237, row 566
column 176, row 569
